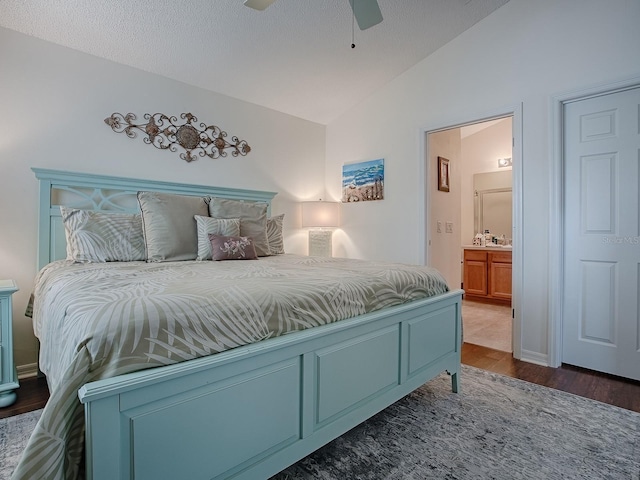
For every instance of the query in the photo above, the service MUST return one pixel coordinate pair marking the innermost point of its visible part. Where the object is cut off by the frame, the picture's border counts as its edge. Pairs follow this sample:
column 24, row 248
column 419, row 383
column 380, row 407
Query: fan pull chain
column 353, row 19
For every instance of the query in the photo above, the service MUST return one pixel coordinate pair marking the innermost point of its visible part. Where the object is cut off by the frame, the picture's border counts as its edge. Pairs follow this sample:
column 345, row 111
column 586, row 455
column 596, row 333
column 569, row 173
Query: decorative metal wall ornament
column 164, row 132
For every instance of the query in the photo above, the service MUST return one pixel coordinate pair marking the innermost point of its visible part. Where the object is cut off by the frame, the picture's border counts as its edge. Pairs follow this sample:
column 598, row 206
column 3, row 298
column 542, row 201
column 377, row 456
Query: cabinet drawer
column 477, row 255
column 500, row 257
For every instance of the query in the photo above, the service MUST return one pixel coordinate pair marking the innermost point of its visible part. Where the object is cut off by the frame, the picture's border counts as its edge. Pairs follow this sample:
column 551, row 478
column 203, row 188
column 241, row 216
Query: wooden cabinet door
column 500, row 280
column 500, row 275
column 475, row 272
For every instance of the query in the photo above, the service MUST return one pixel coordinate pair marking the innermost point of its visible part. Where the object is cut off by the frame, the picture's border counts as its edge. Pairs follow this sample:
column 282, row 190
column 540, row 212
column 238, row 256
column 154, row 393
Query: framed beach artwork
column 443, row 174
column 363, row 181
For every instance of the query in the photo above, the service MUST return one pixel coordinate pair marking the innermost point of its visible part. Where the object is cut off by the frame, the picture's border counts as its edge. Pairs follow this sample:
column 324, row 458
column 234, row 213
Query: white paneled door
column 601, row 314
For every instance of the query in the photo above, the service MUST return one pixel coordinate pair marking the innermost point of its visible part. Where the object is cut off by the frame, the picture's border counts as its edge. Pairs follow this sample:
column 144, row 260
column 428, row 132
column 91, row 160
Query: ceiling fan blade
column 367, row 13
column 258, row 4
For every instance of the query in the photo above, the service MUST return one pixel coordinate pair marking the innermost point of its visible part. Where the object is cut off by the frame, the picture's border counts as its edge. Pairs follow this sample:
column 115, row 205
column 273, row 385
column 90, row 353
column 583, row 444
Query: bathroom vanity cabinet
column 487, row 274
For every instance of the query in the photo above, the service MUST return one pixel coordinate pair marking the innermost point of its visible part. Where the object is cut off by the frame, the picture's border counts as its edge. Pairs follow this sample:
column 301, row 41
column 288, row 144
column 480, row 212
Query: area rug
column 495, row 428
column 14, row 433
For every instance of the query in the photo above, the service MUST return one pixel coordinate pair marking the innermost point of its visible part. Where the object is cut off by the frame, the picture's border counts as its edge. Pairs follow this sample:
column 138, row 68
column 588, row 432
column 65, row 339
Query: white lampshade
column 320, row 214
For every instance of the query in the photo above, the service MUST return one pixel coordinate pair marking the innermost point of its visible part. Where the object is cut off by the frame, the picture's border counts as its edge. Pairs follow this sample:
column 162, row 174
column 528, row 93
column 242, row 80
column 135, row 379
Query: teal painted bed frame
column 249, row 412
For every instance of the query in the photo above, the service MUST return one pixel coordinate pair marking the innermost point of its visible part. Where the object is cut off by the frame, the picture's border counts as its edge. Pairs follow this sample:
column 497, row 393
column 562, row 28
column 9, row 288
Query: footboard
column 250, row 412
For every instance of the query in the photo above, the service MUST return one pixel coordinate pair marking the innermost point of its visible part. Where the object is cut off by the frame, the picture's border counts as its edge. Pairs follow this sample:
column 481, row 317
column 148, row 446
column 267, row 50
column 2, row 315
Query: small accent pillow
column 103, row 237
column 229, row 227
column 232, row 248
column 169, row 225
column 253, row 219
column 274, row 234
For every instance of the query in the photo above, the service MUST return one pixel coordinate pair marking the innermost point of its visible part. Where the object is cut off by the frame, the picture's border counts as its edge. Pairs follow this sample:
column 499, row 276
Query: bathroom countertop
column 488, row 247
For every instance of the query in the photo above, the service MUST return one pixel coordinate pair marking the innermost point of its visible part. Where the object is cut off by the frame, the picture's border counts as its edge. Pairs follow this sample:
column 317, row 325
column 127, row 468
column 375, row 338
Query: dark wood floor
column 32, row 395
column 579, row 381
column 33, row 392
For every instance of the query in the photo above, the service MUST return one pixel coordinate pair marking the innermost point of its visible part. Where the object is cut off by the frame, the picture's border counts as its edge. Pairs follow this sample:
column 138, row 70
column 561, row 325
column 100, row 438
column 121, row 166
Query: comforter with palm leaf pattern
column 99, row 320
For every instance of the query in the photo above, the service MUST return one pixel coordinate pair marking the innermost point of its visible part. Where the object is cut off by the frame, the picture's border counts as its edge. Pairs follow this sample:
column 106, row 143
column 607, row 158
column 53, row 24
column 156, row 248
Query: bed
column 242, row 402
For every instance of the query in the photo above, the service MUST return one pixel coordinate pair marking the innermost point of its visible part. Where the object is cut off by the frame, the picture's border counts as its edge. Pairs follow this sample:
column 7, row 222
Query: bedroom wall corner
column 54, row 101
column 522, row 54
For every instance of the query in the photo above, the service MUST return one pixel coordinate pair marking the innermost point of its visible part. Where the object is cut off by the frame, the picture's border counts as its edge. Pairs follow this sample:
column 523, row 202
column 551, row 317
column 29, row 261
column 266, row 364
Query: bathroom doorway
column 477, row 151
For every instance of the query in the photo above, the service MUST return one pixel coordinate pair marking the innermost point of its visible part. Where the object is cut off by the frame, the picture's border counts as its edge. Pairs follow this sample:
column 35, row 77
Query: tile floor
column 487, row 325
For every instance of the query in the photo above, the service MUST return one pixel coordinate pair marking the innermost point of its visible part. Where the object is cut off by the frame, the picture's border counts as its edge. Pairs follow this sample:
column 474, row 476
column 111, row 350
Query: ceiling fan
column 366, row 12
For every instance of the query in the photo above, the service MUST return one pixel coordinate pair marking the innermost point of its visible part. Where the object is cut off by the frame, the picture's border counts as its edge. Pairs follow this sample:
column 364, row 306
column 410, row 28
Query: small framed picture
column 443, row 174
column 363, row 181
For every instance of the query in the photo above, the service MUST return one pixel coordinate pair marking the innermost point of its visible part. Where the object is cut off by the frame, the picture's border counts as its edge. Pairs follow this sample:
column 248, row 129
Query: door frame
column 427, row 183
column 556, row 205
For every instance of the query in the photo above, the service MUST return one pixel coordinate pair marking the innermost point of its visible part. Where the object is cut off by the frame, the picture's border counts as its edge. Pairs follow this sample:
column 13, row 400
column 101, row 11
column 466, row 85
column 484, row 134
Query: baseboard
column 534, row 357
column 27, row 371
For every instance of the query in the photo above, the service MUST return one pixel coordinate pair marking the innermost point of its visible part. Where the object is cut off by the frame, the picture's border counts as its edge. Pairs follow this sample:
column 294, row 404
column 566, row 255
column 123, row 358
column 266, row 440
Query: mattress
column 99, row 320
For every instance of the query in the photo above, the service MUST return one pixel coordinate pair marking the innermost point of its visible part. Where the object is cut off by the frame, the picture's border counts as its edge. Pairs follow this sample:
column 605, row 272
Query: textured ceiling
column 294, row 57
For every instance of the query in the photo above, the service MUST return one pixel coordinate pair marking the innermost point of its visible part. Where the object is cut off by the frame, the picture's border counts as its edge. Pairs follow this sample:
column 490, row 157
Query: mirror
column 493, row 203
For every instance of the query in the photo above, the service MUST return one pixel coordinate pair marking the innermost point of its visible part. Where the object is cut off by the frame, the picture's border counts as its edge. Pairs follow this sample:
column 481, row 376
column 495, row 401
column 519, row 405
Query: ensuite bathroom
column 471, row 226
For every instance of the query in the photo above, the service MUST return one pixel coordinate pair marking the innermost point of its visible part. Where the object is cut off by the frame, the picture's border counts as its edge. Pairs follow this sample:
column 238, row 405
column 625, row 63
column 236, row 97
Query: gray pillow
column 232, row 248
column 274, row 234
column 229, row 227
column 169, row 225
column 102, row 237
column 253, row 220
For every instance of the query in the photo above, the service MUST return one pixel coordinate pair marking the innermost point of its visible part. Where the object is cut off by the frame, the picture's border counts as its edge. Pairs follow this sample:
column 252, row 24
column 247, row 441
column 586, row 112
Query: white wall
column 53, row 101
column 522, row 54
column 444, row 207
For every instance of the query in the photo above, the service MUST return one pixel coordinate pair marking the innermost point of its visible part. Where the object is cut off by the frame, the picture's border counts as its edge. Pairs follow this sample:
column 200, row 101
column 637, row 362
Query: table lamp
column 320, row 217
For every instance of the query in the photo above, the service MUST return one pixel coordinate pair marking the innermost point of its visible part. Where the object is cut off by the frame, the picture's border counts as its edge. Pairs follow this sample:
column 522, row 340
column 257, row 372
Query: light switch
column 439, row 228
column 449, row 227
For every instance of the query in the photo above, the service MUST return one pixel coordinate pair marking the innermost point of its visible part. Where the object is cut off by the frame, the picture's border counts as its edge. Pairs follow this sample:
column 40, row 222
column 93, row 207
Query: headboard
column 106, row 193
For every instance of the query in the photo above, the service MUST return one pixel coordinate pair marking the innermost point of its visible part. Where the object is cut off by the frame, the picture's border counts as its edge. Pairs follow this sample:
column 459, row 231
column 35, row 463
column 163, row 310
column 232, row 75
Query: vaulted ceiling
column 294, row 57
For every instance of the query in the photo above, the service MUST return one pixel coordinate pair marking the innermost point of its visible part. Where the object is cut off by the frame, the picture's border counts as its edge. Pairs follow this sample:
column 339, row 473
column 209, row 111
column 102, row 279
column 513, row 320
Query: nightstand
column 8, row 376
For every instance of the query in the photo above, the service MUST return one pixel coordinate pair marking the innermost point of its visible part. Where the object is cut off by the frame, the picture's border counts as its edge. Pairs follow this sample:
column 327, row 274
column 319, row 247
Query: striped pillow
column 229, row 227
column 103, row 237
column 274, row 234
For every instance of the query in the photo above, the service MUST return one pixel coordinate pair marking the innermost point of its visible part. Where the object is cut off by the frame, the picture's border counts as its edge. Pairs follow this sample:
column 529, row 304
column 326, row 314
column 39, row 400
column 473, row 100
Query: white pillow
column 228, row 227
column 103, row 237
